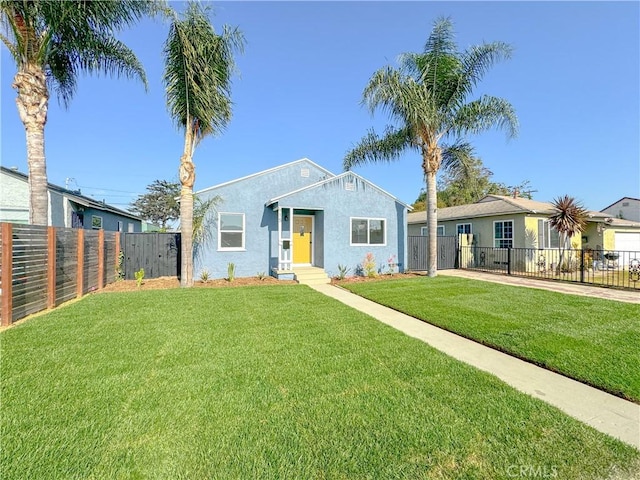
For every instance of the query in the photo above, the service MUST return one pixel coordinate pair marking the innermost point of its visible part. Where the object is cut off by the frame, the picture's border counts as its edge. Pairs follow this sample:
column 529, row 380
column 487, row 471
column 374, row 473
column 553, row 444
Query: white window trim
column 101, row 222
column 470, row 228
column 546, row 236
column 424, row 231
column 368, row 244
column 513, row 232
column 244, row 233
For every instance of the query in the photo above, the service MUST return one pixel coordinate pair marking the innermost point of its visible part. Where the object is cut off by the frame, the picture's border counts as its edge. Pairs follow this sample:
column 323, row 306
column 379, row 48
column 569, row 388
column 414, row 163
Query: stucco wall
column 331, row 205
column 110, row 221
column 14, row 199
column 248, row 196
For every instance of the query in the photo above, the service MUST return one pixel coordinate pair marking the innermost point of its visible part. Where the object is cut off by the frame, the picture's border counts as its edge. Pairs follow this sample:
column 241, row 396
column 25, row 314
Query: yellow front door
column 302, row 239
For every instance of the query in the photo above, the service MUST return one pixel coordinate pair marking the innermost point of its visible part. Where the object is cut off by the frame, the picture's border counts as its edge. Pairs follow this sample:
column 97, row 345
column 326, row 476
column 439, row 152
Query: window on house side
column 96, row 222
column 424, row 231
column 231, row 231
column 368, row 231
column 463, row 228
column 503, row 234
column 548, row 237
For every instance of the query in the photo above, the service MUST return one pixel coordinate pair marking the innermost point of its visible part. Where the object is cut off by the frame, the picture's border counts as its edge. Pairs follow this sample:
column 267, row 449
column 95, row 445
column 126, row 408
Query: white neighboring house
column 627, row 208
column 67, row 208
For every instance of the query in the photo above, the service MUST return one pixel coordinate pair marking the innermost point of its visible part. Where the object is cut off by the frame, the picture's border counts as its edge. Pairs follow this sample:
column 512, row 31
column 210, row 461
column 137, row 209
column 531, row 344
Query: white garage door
column 628, row 242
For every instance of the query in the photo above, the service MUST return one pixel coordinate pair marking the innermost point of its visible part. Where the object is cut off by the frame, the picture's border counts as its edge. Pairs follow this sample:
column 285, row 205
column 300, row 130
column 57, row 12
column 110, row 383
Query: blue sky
column 573, row 79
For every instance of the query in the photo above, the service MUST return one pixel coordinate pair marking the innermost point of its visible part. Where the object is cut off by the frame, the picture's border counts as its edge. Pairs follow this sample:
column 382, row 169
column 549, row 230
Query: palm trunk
column 187, row 179
column 432, row 223
column 32, row 103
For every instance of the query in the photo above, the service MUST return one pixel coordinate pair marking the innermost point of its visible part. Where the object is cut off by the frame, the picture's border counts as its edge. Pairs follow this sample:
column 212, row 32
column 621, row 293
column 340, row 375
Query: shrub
column 231, row 271
column 343, row 270
column 204, row 276
column 139, row 276
column 369, row 265
column 261, row 275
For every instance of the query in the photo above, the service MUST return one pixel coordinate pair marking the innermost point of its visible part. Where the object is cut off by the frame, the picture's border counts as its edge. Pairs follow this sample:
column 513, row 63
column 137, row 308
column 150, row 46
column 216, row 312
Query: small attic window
column 304, row 172
column 625, row 204
column 350, row 186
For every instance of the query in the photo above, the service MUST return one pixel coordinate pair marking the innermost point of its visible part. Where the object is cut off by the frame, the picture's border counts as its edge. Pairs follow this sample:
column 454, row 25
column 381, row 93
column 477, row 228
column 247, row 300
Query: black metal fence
column 610, row 268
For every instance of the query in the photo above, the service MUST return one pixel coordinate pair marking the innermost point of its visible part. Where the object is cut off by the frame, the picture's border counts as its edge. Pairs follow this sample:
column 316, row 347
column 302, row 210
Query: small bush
column 343, row 270
column 231, row 271
column 369, row 265
column 204, row 276
column 261, row 275
column 139, row 276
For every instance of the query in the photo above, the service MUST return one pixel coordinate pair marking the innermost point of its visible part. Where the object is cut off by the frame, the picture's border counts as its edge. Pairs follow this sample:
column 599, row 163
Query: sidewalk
column 604, row 412
column 630, row 296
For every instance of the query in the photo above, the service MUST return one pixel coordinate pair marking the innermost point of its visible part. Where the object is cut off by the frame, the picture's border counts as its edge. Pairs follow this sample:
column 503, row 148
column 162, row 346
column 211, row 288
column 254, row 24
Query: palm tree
column 569, row 218
column 197, row 77
column 52, row 42
column 427, row 97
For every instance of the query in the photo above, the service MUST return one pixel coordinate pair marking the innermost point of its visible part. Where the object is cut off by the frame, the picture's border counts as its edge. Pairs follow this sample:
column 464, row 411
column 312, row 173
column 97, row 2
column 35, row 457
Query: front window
column 231, row 229
column 368, row 231
column 548, row 237
column 96, row 222
column 503, row 234
column 463, row 228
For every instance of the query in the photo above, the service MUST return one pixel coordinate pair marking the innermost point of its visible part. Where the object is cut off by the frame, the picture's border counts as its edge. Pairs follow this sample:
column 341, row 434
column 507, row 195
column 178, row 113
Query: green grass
column 266, row 382
column 592, row 340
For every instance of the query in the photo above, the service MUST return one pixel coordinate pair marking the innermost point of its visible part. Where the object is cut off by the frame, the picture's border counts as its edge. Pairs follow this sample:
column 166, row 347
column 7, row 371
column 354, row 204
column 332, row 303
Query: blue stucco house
column 300, row 215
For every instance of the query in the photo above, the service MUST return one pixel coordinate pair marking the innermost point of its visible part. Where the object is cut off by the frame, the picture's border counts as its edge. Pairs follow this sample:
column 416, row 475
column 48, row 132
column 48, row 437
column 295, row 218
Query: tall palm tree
column 199, row 64
column 569, row 218
column 52, row 42
column 427, row 97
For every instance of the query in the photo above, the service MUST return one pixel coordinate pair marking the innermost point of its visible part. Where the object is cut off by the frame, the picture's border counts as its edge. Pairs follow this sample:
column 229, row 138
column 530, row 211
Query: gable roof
column 75, row 196
column 618, row 201
column 343, row 177
column 264, row 172
column 492, row 205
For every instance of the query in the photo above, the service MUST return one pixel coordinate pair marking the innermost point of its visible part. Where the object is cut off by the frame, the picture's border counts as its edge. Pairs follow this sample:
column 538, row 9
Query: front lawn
column 592, row 340
column 265, row 382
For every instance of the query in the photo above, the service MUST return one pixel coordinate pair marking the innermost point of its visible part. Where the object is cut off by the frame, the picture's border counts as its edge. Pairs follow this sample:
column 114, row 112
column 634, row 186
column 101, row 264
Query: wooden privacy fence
column 158, row 253
column 42, row 267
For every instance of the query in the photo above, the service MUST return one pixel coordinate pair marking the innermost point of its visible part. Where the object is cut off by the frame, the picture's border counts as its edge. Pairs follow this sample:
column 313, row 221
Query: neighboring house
column 502, row 222
column 626, row 208
column 67, row 208
column 300, row 214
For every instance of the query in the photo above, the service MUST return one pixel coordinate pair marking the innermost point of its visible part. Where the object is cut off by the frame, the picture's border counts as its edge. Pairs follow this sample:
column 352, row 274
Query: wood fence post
column 100, row 259
column 117, row 265
column 80, row 272
column 51, row 267
column 7, row 277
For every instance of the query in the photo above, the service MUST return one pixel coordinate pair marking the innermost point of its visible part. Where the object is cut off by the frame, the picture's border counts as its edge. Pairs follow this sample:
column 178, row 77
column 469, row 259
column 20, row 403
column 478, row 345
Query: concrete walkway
column 606, row 413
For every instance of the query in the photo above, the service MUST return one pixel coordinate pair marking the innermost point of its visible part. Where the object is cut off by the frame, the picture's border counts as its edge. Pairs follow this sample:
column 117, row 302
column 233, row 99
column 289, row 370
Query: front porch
column 300, row 241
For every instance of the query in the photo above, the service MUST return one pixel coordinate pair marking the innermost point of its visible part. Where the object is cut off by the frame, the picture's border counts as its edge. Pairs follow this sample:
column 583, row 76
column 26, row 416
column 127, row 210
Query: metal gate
column 418, row 258
column 157, row 253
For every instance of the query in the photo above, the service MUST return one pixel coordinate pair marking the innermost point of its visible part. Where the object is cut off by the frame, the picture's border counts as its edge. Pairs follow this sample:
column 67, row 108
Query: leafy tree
column 159, row 205
column 52, row 42
column 569, row 218
column 199, row 64
column 468, row 185
column 428, row 98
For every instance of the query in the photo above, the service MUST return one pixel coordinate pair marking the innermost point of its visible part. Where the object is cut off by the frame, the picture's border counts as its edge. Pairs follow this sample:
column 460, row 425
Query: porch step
column 311, row 276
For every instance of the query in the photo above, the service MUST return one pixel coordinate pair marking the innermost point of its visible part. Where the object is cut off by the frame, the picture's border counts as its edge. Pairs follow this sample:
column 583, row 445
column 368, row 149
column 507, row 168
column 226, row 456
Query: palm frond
column 375, row 149
column 569, row 216
column 458, row 159
column 483, row 114
column 199, row 64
